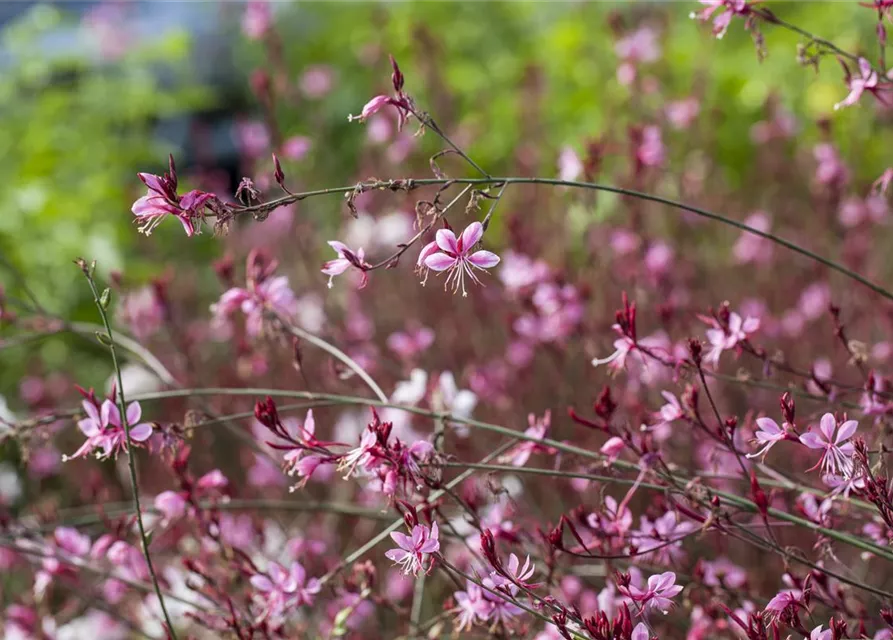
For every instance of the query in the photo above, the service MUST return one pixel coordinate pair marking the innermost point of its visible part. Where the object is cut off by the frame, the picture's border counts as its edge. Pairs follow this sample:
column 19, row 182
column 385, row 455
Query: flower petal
column 134, row 413
column 439, row 262
column 812, row 440
column 472, row 235
column 446, row 240
column 827, row 426
column 846, row 431
column 141, row 432
column 483, row 259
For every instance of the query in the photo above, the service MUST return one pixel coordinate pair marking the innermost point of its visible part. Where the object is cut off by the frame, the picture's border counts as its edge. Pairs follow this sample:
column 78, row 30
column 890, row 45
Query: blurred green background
column 79, row 122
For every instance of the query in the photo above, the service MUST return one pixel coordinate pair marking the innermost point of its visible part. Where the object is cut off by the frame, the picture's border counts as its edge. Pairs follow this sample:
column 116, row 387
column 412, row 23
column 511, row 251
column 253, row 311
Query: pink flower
column 142, row 311
column 257, row 19
column 830, row 169
column 818, row 634
column 517, row 574
column 455, row 255
column 104, row 429
column 162, row 200
column 640, row 632
column 650, row 151
column 412, row 342
column 296, row 147
column 473, row 607
column 412, row 550
column 345, row 260
column 171, row 505
column 752, row 248
column 784, row 599
column 768, row 435
column 867, row 79
column 681, row 113
column 658, row 594
column 279, row 590
column 570, row 167
column 316, row 81
column 519, row 455
column 263, row 293
column 837, row 453
column 722, row 339
column 727, row 10
column 401, row 101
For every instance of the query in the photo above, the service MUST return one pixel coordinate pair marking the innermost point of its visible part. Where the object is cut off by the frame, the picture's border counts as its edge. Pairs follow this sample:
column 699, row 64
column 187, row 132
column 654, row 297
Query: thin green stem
column 131, row 458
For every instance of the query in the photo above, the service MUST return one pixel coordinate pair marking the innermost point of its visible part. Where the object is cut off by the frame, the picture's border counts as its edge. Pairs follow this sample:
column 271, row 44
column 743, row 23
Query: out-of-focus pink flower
column 830, row 169
column 814, row 300
column 650, row 151
column 448, row 253
column 837, row 453
column 213, row 480
column 751, row 248
column 640, row 632
column 412, row 551
column 538, row 428
column 171, row 505
column 162, row 200
column 768, row 435
column 473, row 607
column 661, row 539
column 659, row 258
column 612, row 448
column 410, row 343
column 722, row 339
column 316, row 81
column 658, row 595
column 257, row 19
column 280, row 589
column 570, row 167
column 520, row 271
column 296, row 147
column 681, row 113
column 269, row 293
column 867, row 80
column 638, row 47
column 143, row 312
column 105, row 431
column 623, row 242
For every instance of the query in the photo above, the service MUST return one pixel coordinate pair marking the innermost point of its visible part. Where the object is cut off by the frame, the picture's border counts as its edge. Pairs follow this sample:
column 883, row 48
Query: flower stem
column 131, row 458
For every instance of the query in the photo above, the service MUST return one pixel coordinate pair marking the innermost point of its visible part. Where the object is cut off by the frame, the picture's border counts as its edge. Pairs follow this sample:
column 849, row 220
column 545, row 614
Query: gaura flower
column 447, row 253
column 105, row 431
column 412, row 551
column 837, row 453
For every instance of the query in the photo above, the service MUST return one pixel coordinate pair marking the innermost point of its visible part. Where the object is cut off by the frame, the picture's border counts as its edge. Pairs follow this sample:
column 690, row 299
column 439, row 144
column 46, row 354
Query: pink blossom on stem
column 264, row 292
column 538, row 428
column 726, row 9
column 412, row 551
column 768, row 435
column 162, row 200
column 346, row 259
column 472, row 606
column 448, row 253
column 723, row 338
column 837, row 453
column 658, row 594
column 280, row 589
column 867, row 80
column 105, row 431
